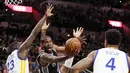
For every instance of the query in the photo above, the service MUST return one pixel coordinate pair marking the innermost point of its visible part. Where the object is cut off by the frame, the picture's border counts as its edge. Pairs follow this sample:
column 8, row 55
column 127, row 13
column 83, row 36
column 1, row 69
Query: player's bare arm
column 23, row 50
column 84, row 63
column 47, row 58
column 43, row 30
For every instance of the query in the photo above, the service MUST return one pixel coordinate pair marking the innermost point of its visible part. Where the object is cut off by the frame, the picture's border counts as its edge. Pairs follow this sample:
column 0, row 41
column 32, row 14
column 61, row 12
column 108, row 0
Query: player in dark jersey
column 48, row 55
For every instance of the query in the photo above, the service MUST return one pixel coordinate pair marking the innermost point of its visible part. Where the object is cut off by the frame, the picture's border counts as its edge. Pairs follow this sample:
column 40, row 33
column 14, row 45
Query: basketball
column 71, row 45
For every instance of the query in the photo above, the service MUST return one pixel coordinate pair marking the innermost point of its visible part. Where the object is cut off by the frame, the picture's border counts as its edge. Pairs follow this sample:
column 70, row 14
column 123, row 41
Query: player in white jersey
column 106, row 60
column 17, row 61
column 16, row 65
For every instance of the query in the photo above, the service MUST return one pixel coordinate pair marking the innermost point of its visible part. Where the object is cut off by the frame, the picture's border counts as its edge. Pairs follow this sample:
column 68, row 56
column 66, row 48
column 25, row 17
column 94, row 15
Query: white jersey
column 15, row 64
column 110, row 61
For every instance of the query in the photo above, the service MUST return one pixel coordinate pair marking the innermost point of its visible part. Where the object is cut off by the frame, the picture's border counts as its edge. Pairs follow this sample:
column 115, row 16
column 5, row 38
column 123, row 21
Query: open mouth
column 49, row 50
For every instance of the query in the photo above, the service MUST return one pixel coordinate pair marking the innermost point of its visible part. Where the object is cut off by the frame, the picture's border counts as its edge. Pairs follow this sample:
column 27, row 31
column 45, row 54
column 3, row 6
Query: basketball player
column 17, row 61
column 48, row 54
column 106, row 60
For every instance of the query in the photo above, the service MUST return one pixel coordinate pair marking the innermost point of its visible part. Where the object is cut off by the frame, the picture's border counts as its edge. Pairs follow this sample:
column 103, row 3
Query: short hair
column 42, row 41
column 113, row 37
column 13, row 46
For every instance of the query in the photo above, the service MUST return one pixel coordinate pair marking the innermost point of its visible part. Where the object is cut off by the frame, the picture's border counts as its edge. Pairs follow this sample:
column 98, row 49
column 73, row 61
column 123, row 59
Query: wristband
column 68, row 62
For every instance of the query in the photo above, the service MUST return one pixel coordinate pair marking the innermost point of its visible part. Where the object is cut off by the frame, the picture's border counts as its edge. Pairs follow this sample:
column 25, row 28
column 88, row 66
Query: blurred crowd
column 70, row 15
column 108, row 3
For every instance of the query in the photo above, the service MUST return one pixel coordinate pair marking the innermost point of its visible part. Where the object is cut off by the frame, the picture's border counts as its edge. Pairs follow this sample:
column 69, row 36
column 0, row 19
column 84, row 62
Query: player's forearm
column 43, row 34
column 60, row 59
column 54, row 59
column 38, row 27
column 59, row 49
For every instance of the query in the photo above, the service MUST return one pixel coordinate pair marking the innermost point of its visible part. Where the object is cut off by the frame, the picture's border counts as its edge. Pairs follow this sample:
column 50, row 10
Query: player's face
column 48, row 44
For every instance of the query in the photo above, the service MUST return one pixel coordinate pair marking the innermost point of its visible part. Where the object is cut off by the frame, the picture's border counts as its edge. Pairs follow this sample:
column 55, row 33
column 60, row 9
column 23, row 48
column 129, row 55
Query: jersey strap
column 95, row 56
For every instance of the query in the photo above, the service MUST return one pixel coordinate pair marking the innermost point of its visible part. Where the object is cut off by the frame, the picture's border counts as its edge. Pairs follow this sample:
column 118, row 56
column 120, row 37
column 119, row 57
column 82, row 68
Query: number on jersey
column 110, row 64
column 11, row 65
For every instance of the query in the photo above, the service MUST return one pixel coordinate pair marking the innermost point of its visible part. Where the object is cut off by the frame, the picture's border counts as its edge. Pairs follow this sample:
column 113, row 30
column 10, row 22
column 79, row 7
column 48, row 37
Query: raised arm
column 84, row 63
column 23, row 50
column 44, row 29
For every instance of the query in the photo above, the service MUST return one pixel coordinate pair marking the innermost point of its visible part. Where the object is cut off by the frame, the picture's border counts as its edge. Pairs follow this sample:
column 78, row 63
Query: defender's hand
column 49, row 10
column 82, row 39
column 77, row 33
column 45, row 26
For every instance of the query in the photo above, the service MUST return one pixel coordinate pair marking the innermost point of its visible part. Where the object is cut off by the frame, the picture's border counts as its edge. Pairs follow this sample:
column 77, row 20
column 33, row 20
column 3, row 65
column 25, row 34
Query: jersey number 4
column 11, row 65
column 110, row 64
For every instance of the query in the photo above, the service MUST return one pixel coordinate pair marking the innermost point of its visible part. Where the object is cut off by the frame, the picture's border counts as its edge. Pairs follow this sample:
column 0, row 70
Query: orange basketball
column 71, row 45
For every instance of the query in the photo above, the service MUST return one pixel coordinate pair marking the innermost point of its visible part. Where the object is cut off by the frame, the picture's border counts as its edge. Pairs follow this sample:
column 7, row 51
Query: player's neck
column 112, row 46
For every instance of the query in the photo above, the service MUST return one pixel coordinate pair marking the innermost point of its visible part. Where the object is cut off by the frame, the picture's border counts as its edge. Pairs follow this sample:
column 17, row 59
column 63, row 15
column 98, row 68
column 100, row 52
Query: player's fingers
column 83, row 37
column 85, row 42
column 52, row 8
column 49, row 6
column 76, row 52
column 73, row 31
column 45, row 22
column 82, row 29
column 48, row 24
column 77, row 28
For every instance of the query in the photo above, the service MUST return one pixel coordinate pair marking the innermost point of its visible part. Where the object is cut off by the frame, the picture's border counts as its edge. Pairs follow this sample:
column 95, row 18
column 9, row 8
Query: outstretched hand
column 77, row 33
column 49, row 10
column 45, row 26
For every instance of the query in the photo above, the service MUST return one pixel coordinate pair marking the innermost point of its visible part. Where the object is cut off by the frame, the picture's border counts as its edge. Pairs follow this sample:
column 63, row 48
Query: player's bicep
column 84, row 63
column 47, row 58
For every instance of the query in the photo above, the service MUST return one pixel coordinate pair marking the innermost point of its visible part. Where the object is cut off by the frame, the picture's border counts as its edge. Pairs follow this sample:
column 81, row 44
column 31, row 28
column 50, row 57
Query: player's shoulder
column 93, row 53
column 14, row 52
column 115, row 50
column 102, row 49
